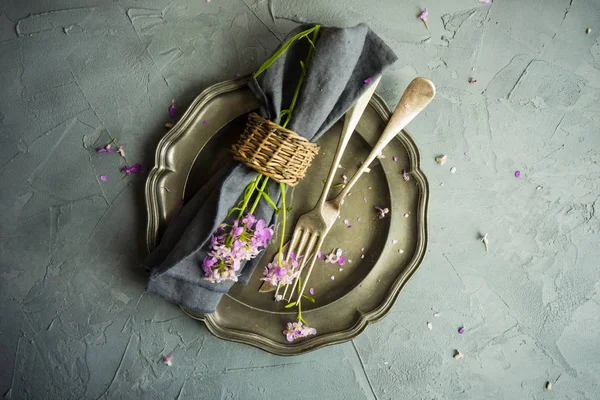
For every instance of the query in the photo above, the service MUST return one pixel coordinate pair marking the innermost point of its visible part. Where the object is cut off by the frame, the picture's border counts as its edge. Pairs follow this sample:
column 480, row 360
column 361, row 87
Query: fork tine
column 310, row 268
column 308, row 253
column 305, row 237
column 293, row 242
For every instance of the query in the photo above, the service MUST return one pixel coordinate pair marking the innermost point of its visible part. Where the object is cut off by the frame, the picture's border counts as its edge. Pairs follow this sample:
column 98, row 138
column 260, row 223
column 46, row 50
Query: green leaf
column 284, row 48
column 309, row 298
column 290, row 305
column 290, row 208
column 337, row 185
column 268, row 199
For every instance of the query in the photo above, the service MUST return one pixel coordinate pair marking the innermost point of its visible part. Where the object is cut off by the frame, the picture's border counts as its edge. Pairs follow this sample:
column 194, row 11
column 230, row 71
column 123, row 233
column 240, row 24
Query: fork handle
column 416, row 97
column 350, row 122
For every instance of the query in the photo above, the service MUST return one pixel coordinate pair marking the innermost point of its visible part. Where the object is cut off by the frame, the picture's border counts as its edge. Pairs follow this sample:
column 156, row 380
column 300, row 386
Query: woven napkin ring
column 274, row 151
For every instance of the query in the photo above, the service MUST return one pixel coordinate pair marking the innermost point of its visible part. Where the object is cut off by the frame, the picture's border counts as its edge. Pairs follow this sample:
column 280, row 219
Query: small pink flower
column 382, row 212
column 517, row 174
column 395, row 158
column 367, row 81
column 168, row 360
column 423, row 17
column 311, row 291
column 205, row 122
column 103, row 178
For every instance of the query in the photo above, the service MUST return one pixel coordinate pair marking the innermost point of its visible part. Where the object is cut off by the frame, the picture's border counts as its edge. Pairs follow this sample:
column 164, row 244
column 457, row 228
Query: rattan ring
column 274, row 151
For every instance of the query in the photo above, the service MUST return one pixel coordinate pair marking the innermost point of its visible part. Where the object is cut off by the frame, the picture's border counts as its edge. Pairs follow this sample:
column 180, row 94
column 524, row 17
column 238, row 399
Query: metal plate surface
column 346, row 300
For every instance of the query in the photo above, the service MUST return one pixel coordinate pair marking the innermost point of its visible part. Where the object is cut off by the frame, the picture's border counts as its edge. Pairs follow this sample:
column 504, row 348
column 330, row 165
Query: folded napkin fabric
column 344, row 62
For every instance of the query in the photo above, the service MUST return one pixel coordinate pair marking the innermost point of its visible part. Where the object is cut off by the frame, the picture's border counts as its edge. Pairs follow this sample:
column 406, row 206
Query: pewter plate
column 347, row 299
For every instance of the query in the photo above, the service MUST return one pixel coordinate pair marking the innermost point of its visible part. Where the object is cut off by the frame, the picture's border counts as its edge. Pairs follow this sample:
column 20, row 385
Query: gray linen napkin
column 342, row 60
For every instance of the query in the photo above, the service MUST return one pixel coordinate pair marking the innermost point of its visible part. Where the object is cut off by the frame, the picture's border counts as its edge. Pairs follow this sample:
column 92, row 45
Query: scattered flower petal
column 517, row 174
column 349, row 261
column 472, row 80
column 429, row 326
column 362, row 256
column 453, row 170
column 128, row 170
column 405, row 215
column 319, row 254
column 168, row 360
column 205, row 122
column 103, row 178
column 107, row 149
column 367, row 81
column 278, row 297
column 167, row 189
column 208, row 1
column 172, row 109
column 405, row 175
column 394, row 241
column 441, row 159
column 442, row 184
column 395, row 158
column 437, row 314
column 458, row 355
column 311, row 291
column 340, row 269
column 406, row 105
column 484, row 1
column 400, row 251
column 466, row 153
column 237, row 75
column 461, row 330
column 332, row 277
column 539, row 188
column 548, row 385
column 423, row 17
column 588, row 31
column 382, row 212
column 485, row 241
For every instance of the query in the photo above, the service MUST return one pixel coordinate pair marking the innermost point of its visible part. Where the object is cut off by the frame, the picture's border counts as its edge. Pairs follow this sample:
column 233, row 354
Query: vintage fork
column 312, row 225
column 416, row 97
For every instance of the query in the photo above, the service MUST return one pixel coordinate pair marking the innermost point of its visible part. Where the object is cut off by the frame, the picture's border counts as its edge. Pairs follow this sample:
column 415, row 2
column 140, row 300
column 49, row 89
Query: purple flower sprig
column 282, row 272
column 232, row 244
column 296, row 330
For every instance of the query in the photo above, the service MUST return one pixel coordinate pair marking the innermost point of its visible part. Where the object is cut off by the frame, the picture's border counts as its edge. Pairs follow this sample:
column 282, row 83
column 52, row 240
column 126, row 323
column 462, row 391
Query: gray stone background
column 76, row 322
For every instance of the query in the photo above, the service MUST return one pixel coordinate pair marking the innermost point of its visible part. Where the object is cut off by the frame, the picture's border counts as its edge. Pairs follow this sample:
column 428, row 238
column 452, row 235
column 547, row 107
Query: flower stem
column 249, row 194
column 259, row 195
column 304, row 65
column 283, row 221
column 284, row 48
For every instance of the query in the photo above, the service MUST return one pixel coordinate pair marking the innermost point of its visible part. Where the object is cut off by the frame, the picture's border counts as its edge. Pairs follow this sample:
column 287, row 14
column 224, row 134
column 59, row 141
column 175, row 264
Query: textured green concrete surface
column 76, row 322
